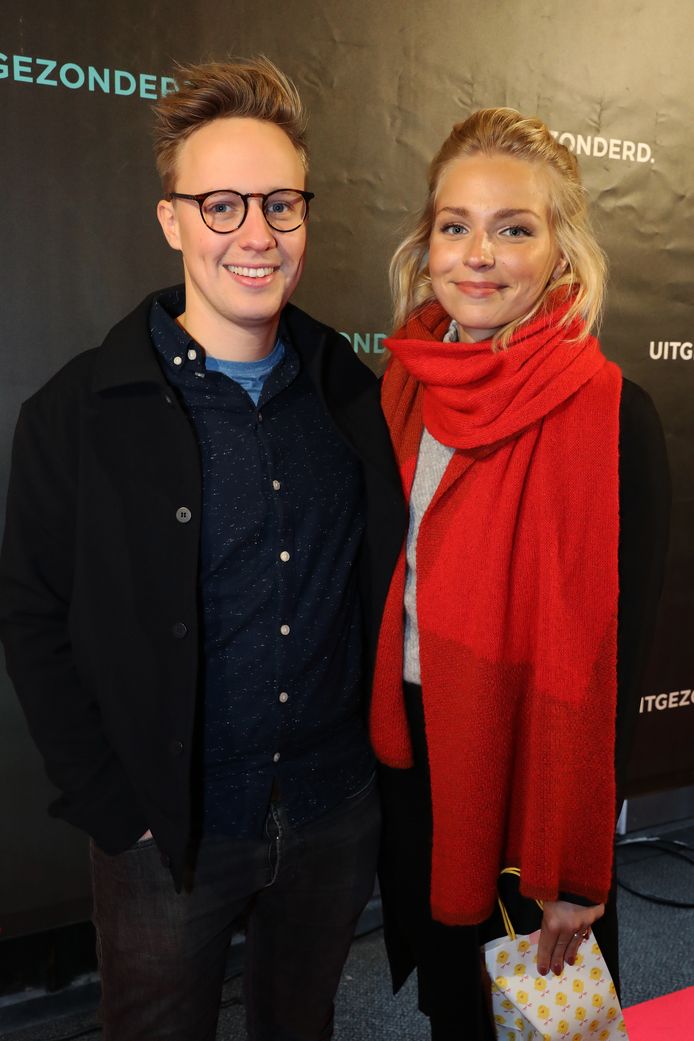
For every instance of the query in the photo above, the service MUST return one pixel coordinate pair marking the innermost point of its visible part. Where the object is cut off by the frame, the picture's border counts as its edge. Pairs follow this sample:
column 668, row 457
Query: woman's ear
column 559, row 268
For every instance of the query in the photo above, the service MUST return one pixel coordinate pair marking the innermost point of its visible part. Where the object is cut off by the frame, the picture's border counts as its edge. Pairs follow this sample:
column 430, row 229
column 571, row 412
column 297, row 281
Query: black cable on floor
column 80, row 1033
column 675, row 848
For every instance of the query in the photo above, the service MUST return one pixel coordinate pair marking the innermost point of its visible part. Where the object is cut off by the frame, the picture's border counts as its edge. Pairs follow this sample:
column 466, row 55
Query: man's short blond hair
column 252, row 88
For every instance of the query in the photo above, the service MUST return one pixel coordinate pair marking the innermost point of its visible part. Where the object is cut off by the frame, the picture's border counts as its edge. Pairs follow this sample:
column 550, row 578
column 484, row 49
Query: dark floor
column 657, row 957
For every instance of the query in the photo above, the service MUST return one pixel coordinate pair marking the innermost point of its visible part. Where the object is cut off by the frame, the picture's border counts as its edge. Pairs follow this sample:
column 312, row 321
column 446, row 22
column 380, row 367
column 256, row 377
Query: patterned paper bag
column 579, row 1005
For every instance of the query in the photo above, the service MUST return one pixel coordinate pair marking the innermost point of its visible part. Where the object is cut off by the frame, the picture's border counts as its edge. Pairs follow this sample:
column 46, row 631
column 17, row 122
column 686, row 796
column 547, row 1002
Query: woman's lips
column 478, row 289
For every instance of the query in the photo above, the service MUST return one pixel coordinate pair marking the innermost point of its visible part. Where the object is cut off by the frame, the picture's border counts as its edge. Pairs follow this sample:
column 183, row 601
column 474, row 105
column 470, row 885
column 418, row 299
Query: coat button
column 167, row 398
column 183, row 514
column 179, row 630
column 175, row 748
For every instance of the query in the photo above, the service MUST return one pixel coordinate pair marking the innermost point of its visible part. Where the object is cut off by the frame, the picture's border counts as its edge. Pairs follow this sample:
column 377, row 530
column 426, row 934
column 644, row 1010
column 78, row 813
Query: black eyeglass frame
column 200, row 199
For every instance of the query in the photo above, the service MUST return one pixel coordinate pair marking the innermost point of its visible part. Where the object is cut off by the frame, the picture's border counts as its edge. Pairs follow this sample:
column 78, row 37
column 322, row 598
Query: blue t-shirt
column 250, row 375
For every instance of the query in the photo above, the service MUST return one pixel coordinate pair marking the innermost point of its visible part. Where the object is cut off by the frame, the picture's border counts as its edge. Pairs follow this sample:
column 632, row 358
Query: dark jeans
column 162, row 954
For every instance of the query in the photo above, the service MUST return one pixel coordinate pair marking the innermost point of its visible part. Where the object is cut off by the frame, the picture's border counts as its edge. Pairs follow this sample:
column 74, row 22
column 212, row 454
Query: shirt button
column 175, row 748
column 192, row 355
column 276, row 485
column 183, row 515
column 284, row 556
column 178, row 360
column 276, row 757
column 179, row 630
column 260, row 417
column 284, row 696
column 285, row 630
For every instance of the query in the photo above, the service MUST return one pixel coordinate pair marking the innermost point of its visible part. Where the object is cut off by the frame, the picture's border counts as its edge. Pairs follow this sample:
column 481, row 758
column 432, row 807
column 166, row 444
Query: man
column 203, row 516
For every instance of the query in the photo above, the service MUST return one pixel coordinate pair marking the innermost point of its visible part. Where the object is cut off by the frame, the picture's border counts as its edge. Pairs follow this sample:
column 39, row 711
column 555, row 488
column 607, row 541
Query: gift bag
column 579, row 1005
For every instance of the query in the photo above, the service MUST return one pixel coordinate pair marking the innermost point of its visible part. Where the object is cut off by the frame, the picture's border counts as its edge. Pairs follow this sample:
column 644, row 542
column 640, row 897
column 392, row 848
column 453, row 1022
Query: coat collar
column 127, row 355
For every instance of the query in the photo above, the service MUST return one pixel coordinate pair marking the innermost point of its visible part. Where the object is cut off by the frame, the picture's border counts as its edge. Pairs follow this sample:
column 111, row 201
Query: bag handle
column 508, row 925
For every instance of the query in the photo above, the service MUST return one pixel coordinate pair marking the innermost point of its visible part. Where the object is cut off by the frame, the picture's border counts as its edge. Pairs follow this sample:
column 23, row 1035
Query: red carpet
column 670, row 1018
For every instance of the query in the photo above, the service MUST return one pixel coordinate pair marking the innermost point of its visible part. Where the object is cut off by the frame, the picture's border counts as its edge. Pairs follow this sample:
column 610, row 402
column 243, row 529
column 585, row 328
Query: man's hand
column 564, row 927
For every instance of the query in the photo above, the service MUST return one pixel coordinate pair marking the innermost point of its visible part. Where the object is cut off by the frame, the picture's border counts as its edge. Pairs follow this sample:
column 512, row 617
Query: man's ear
column 169, row 223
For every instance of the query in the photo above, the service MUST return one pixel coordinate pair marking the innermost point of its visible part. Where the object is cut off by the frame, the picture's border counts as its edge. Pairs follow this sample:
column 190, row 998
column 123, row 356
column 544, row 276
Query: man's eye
column 223, row 206
column 276, row 207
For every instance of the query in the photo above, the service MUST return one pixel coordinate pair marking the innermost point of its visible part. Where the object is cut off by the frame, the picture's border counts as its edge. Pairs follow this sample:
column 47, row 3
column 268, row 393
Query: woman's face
column 491, row 248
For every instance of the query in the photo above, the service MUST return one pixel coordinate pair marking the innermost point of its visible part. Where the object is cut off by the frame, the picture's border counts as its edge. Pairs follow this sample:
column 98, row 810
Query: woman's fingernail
column 542, row 969
column 571, row 960
column 557, row 969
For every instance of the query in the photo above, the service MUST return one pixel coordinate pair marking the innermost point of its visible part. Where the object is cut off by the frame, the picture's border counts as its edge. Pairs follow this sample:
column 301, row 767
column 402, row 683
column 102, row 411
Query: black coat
column 99, row 572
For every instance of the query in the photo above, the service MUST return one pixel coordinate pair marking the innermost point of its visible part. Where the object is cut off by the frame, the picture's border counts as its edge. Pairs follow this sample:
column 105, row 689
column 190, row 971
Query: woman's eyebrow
column 461, row 211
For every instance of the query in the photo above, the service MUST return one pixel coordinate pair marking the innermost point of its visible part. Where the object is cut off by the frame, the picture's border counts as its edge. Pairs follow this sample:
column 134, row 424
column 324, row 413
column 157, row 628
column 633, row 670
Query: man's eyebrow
column 460, row 211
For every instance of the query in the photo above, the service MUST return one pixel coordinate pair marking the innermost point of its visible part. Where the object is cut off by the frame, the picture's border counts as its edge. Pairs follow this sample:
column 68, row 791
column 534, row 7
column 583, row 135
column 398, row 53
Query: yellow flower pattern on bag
column 579, row 1005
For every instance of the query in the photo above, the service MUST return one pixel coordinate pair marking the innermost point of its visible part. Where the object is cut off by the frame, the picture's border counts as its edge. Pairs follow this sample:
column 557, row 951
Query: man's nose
column 255, row 232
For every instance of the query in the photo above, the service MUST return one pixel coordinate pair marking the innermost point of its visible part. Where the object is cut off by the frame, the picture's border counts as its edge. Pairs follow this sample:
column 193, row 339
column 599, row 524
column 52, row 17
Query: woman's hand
column 564, row 927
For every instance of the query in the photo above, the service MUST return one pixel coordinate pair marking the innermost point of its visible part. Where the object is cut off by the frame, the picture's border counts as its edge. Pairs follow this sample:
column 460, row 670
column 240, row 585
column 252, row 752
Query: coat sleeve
column 644, row 506
column 36, row 575
column 645, row 501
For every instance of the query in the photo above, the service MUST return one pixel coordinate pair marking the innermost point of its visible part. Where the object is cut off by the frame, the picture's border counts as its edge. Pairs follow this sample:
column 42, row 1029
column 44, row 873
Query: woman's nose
column 479, row 252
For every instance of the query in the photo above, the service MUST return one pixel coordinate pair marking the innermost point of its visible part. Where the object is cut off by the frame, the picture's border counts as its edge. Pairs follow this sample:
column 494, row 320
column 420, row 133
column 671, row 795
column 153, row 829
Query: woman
column 520, row 448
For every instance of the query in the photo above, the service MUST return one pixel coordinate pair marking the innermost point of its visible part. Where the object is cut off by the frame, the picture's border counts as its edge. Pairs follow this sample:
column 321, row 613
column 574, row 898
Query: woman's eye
column 516, row 232
column 453, row 229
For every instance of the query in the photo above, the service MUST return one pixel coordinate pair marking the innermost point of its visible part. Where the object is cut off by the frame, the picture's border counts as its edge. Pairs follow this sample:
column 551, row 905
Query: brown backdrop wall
column 80, row 244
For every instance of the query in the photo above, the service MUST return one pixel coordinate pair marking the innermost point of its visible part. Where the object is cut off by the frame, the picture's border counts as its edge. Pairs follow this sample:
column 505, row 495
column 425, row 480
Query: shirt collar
column 175, row 346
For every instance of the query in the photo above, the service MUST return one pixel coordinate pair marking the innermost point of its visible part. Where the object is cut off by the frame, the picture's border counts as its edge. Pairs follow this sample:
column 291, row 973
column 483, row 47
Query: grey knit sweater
column 432, row 460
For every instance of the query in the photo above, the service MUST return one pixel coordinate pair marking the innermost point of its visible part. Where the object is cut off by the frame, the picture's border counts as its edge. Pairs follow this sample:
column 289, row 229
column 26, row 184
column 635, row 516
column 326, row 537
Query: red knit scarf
column 517, row 591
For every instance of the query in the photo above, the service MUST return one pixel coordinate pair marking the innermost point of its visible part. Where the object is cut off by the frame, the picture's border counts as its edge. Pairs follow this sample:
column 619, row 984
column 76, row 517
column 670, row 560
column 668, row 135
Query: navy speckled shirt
column 282, row 521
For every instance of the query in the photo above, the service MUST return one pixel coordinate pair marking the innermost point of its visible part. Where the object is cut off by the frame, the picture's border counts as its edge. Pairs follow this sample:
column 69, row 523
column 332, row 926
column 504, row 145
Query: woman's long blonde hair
column 503, row 131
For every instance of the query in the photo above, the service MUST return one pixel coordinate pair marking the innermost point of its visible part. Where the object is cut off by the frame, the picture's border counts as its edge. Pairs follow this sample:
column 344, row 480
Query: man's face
column 238, row 281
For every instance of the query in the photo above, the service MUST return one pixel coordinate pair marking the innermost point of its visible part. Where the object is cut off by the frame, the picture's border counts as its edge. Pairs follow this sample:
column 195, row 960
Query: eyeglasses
column 224, row 211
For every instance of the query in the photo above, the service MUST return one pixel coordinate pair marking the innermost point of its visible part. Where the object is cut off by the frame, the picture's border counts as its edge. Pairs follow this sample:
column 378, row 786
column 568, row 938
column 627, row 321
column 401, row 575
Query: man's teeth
column 249, row 272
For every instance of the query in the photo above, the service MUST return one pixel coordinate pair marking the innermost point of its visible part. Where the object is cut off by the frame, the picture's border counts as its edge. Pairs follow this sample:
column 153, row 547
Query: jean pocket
column 363, row 792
